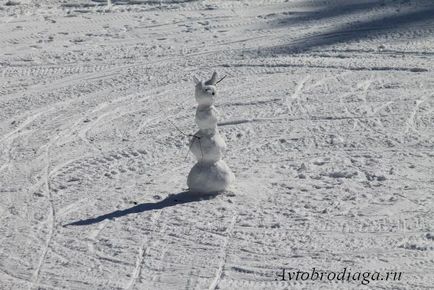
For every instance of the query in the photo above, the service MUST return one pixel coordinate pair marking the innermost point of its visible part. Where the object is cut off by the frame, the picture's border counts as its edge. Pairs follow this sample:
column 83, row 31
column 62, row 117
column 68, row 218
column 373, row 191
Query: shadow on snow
column 171, row 200
column 399, row 19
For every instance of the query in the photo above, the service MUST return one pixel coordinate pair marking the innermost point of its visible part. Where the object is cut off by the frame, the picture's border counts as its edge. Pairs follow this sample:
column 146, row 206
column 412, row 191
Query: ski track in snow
column 142, row 254
column 326, row 108
column 221, row 266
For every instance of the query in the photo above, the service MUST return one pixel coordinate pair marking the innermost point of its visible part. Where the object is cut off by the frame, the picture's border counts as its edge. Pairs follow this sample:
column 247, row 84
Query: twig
column 189, row 135
column 221, row 79
column 189, row 148
column 191, row 144
column 173, row 124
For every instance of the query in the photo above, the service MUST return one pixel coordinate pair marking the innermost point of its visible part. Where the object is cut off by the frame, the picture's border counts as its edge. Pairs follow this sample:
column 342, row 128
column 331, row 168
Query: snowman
column 210, row 174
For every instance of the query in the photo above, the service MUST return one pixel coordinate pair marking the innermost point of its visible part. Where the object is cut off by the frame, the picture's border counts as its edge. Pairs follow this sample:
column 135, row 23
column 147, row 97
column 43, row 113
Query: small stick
column 191, row 144
column 221, row 79
column 189, row 148
column 189, row 135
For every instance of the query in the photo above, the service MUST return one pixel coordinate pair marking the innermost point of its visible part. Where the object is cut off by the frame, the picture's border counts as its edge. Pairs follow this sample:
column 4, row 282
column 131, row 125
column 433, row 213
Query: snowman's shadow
column 171, row 200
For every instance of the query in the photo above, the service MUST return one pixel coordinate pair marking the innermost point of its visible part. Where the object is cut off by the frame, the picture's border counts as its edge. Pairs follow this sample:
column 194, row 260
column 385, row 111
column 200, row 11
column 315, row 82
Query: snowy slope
column 327, row 111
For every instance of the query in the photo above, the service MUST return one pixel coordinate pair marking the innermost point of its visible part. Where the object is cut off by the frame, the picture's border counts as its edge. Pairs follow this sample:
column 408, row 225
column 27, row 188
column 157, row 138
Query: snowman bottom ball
column 209, row 177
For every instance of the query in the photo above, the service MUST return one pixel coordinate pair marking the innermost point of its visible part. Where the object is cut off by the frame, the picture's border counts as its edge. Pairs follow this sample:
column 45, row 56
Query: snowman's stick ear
column 212, row 81
column 196, row 80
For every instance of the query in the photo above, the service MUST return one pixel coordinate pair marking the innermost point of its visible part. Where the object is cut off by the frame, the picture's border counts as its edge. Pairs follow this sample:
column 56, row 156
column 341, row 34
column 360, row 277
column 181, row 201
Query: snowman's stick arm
column 189, row 135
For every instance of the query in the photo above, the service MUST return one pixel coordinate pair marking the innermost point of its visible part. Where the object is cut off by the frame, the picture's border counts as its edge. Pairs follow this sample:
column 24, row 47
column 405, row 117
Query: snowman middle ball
column 207, row 145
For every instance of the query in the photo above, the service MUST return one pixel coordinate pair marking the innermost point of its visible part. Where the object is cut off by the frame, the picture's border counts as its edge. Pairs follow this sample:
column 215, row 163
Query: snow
column 326, row 111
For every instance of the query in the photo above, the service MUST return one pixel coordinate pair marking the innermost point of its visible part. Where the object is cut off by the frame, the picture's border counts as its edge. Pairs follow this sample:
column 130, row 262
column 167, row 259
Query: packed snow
column 325, row 108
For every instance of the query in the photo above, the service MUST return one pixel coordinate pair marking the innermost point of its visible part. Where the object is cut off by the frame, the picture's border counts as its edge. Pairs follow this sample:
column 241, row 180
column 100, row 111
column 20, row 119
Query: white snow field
column 326, row 110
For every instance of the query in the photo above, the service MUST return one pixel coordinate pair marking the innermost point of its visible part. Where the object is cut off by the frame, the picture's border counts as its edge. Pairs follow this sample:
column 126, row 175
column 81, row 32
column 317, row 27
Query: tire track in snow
column 46, row 71
column 77, row 26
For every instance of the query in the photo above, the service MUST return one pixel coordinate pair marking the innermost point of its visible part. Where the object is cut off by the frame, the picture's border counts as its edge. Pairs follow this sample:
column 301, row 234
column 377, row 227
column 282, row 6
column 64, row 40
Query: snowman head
column 206, row 91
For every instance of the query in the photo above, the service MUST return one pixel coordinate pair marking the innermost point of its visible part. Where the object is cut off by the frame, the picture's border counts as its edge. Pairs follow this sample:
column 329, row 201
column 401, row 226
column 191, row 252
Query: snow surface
column 327, row 113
